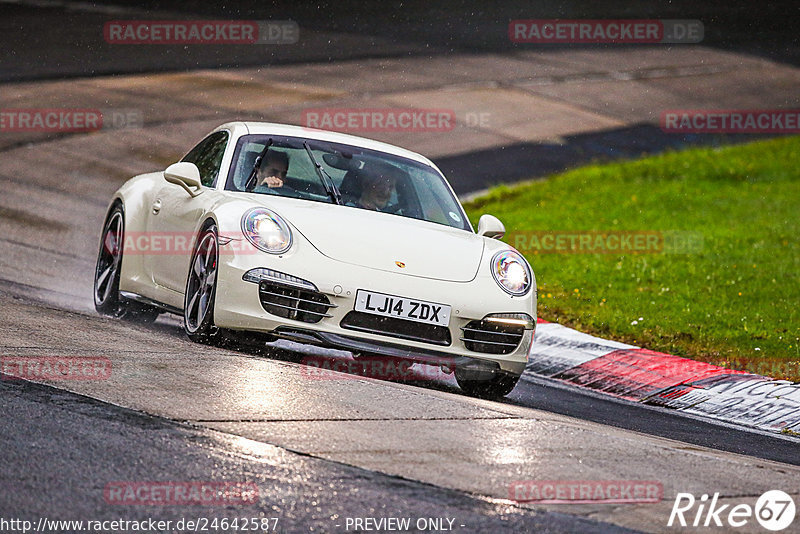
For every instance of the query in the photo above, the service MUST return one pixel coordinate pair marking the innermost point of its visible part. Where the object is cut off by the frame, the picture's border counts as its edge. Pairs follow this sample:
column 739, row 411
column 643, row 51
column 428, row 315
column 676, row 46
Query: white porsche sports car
column 271, row 231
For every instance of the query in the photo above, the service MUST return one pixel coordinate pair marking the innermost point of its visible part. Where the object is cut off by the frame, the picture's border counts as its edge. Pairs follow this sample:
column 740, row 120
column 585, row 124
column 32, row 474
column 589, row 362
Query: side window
column 207, row 155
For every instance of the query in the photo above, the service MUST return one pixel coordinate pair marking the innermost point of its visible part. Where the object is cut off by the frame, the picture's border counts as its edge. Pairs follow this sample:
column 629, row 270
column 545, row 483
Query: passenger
column 377, row 188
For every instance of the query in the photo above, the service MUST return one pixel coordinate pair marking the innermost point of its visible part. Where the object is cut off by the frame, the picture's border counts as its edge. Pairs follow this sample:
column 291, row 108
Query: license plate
column 402, row 308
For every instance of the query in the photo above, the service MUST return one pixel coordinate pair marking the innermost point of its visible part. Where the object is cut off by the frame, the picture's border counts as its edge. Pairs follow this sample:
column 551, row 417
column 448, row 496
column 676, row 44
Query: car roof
column 325, row 135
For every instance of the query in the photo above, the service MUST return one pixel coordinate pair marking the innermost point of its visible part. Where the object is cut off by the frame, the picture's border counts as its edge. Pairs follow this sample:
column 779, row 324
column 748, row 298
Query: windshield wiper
column 326, row 179
column 252, row 179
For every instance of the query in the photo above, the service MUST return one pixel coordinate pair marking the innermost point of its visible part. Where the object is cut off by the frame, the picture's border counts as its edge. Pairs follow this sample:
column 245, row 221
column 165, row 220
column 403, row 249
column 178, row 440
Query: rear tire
column 107, row 300
column 500, row 385
column 201, row 289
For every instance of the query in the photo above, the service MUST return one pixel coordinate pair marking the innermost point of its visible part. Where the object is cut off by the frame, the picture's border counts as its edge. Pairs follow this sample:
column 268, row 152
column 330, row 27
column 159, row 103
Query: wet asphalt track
column 175, row 411
column 64, row 448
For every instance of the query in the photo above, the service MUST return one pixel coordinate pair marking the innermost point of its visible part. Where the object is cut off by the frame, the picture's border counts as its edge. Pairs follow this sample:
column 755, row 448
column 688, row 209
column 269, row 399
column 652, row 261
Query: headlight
column 266, row 230
column 511, row 272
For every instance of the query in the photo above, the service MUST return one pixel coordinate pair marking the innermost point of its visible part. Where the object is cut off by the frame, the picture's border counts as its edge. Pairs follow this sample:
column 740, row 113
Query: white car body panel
column 360, row 237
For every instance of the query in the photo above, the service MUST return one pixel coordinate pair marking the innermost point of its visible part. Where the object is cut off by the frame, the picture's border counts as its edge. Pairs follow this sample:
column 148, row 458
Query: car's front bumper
column 238, row 307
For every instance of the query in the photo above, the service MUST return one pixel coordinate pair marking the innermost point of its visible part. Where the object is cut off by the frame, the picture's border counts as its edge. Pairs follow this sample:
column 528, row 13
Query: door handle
column 156, row 206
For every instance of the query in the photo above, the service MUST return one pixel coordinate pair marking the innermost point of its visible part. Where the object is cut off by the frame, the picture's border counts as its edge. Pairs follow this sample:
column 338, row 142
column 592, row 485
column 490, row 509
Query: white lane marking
column 760, row 402
column 557, row 348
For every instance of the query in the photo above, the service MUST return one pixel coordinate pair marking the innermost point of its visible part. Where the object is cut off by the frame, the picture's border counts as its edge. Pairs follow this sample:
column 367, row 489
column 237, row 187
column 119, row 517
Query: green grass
column 734, row 302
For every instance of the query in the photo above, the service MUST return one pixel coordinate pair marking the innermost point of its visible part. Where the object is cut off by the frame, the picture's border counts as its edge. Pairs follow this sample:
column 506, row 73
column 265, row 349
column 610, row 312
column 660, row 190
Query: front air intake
column 492, row 337
column 292, row 302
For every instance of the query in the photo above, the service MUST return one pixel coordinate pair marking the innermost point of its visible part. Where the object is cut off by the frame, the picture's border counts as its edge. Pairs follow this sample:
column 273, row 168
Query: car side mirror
column 186, row 175
column 490, row 226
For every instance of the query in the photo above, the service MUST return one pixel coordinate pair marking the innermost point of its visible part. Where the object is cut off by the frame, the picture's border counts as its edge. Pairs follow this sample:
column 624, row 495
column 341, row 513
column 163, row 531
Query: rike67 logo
column 774, row 510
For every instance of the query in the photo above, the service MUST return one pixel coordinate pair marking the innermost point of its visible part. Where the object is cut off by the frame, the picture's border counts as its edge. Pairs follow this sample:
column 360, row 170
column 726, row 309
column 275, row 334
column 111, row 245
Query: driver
column 273, row 169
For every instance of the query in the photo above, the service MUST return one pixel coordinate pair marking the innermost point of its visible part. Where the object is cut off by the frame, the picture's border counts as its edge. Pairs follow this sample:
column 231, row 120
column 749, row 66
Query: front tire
column 496, row 387
column 107, row 300
column 201, row 289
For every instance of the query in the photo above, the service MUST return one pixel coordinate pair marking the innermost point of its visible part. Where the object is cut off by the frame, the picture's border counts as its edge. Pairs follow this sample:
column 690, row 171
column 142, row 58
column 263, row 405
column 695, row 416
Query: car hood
column 380, row 240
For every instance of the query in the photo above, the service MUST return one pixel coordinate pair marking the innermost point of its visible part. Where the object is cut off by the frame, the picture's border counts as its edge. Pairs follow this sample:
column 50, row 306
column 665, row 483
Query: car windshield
column 336, row 173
